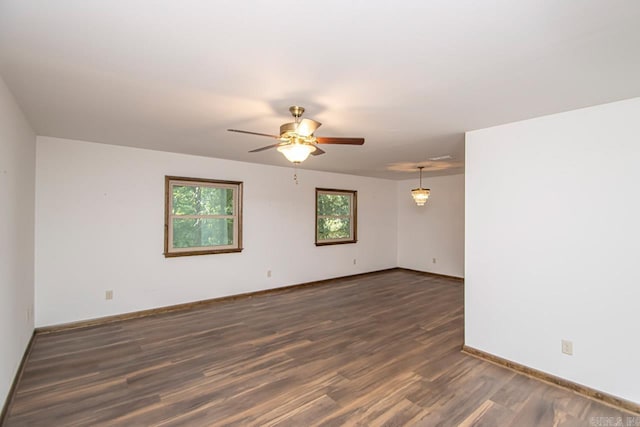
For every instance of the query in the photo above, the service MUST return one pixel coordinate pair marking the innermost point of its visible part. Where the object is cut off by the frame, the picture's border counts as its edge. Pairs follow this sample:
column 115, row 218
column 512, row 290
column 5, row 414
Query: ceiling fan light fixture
column 295, row 152
column 420, row 195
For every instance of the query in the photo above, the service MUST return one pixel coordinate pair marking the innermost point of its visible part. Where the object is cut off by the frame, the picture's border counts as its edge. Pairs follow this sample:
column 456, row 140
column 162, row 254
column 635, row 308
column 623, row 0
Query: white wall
column 552, row 244
column 99, row 226
column 17, row 176
column 435, row 230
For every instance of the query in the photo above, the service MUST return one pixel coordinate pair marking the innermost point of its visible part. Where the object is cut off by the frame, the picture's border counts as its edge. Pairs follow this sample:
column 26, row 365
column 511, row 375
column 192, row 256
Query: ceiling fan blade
column 318, row 151
column 334, row 140
column 307, row 127
column 264, row 148
column 253, row 133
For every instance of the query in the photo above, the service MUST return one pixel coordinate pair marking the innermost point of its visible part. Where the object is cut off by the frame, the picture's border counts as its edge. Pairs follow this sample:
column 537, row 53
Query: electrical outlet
column 433, row 260
column 567, row 347
column 108, row 295
column 268, row 273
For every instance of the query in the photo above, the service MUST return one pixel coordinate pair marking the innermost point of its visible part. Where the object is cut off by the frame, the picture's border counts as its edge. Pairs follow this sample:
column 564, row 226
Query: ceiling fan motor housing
column 288, row 128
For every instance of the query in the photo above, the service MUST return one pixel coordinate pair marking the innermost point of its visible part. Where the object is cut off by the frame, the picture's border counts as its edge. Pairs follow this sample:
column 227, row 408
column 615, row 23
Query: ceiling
column 409, row 76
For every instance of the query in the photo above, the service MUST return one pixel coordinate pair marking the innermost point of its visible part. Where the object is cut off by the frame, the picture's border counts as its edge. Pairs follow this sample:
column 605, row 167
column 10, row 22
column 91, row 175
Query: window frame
column 353, row 217
column 236, row 186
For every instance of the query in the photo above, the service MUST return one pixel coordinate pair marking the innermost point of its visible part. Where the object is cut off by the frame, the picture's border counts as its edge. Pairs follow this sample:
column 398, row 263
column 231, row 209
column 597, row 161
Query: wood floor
column 382, row 349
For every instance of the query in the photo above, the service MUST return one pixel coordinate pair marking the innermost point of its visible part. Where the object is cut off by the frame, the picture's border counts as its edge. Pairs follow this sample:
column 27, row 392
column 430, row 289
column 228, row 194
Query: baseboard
column 195, row 304
column 16, row 380
column 428, row 273
column 608, row 399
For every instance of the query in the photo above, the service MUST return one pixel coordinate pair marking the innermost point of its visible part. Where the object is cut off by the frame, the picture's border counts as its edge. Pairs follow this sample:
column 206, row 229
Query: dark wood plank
column 377, row 350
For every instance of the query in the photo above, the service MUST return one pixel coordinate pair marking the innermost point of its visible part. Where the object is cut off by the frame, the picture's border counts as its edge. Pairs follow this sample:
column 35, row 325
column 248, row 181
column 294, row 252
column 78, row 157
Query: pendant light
column 420, row 195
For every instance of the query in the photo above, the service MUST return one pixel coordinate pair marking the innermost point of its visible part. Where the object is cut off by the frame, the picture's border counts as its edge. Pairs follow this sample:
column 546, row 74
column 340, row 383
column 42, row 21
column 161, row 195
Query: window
column 202, row 216
column 336, row 216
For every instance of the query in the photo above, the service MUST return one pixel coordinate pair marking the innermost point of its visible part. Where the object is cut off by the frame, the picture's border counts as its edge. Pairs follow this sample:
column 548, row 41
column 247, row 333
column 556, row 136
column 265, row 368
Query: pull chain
column 295, row 174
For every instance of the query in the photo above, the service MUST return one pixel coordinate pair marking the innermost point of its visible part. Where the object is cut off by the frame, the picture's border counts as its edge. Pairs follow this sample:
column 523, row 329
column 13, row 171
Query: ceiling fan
column 297, row 139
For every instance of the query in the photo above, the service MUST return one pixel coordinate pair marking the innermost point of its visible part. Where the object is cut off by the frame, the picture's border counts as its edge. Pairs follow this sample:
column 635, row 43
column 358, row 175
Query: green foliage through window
column 195, row 233
column 335, row 213
column 203, row 216
column 199, row 200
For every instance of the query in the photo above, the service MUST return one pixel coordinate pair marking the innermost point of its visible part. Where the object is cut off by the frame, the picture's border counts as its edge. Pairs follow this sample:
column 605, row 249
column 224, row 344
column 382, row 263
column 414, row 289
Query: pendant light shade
column 420, row 195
